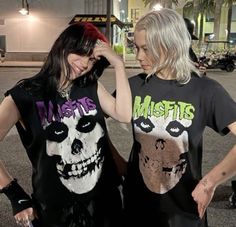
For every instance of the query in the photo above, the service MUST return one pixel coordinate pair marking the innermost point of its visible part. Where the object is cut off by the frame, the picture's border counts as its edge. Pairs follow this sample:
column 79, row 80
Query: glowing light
column 157, row 7
column 211, row 36
column 24, row 11
column 25, row 8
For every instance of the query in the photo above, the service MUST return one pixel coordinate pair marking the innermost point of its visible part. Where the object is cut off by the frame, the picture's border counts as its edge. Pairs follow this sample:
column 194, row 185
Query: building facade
column 30, row 37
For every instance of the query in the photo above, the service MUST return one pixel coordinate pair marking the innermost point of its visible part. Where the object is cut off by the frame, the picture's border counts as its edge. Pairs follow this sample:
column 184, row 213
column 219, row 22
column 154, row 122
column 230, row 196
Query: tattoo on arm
column 204, row 183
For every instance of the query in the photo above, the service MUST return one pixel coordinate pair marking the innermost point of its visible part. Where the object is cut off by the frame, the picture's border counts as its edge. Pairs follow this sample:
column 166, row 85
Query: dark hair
column 190, row 27
column 78, row 38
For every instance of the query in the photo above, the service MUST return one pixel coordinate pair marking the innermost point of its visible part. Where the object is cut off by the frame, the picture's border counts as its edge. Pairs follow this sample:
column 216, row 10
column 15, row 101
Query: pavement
column 215, row 146
column 21, row 64
column 130, row 62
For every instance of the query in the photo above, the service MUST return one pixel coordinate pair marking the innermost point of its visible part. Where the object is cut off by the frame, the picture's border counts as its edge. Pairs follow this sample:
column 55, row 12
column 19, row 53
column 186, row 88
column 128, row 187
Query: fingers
column 100, row 43
column 25, row 222
column 105, row 50
column 100, row 49
column 201, row 206
column 25, row 217
column 201, row 210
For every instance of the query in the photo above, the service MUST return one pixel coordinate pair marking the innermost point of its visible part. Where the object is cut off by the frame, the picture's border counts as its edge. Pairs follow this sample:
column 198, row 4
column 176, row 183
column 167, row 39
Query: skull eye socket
column 56, row 131
column 86, row 124
column 175, row 128
column 144, row 124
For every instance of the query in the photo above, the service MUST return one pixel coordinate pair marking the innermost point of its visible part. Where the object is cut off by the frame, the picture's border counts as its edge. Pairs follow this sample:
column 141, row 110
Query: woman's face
column 80, row 65
column 142, row 54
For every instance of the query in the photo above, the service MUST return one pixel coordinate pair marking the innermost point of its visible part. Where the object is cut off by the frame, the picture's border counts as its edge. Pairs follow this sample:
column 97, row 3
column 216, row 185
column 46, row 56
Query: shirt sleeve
column 222, row 109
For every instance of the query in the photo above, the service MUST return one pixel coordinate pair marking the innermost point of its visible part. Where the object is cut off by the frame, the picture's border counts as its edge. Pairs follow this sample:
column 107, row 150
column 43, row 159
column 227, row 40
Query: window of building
column 210, row 16
column 234, row 13
column 232, row 37
column 3, row 42
column 134, row 14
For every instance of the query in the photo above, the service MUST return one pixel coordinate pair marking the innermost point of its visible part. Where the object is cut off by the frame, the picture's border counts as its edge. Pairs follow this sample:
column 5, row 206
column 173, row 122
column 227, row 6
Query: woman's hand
column 25, row 217
column 104, row 49
column 202, row 195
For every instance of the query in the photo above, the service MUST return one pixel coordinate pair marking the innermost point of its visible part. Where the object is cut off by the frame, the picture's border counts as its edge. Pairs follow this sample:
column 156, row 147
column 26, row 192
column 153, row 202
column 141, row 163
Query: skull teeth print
column 175, row 169
column 163, row 150
column 79, row 148
column 80, row 169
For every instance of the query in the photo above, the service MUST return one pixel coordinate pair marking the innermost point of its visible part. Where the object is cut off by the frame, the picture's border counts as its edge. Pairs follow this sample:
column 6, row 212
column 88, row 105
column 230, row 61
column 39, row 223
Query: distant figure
column 190, row 27
column 193, row 56
column 2, row 55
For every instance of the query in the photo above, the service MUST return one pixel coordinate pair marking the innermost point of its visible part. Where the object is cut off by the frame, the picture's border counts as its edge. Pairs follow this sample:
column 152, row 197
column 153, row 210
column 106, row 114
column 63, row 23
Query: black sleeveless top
column 67, row 144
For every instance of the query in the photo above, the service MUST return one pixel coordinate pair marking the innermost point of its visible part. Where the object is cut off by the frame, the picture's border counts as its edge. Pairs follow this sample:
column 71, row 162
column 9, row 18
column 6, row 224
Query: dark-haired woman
column 59, row 115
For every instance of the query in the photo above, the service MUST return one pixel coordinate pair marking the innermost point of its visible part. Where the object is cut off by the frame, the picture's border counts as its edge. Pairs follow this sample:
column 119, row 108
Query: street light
column 25, row 8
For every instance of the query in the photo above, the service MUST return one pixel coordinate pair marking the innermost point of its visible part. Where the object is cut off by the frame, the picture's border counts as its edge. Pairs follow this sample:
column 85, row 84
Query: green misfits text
column 174, row 109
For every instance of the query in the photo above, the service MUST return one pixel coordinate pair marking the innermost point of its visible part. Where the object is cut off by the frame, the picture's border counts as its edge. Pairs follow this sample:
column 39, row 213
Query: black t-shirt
column 67, row 144
column 168, row 123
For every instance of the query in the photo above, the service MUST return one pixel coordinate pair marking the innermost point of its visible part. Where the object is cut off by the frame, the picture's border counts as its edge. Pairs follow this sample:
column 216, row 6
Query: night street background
column 215, row 146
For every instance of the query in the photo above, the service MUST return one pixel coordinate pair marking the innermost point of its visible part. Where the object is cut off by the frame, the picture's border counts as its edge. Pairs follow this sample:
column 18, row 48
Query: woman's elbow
column 125, row 118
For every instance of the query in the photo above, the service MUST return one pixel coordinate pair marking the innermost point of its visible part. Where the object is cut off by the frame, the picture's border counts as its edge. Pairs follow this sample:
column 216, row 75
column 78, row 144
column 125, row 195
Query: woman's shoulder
column 141, row 77
column 204, row 81
column 22, row 89
column 16, row 89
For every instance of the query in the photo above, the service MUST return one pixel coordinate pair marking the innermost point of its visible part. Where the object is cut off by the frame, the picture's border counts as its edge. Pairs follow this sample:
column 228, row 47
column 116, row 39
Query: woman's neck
column 166, row 74
column 63, row 84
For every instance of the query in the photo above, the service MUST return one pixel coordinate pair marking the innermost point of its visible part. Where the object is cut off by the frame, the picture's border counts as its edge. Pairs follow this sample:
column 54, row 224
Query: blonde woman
column 172, row 105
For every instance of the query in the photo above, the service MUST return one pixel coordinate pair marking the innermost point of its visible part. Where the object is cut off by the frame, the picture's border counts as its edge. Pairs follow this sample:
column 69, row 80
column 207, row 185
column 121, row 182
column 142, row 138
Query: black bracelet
column 3, row 190
column 19, row 199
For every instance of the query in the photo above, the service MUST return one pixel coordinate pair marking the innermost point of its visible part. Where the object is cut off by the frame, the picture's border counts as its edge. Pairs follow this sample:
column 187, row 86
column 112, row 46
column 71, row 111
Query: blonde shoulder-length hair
column 167, row 35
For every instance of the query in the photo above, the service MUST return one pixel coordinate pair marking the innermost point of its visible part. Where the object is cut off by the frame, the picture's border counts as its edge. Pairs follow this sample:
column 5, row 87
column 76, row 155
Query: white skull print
column 76, row 140
column 164, row 143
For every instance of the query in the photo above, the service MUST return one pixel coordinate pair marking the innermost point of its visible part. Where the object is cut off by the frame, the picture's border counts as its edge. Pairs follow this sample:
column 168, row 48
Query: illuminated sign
column 97, row 19
column 94, row 19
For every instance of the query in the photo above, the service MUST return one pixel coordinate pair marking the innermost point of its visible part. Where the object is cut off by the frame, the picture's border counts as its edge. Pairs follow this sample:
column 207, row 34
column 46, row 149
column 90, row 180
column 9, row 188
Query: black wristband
column 19, row 199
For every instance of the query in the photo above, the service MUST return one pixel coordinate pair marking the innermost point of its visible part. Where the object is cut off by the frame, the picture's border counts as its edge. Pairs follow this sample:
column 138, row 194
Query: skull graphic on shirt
column 76, row 140
column 164, row 144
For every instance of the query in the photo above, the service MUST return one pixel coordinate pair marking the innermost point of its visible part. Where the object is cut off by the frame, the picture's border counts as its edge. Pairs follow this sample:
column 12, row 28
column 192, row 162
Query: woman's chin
column 147, row 71
column 76, row 75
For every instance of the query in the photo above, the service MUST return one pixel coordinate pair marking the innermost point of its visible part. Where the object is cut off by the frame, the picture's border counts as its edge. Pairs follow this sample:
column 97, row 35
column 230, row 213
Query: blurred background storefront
column 30, row 36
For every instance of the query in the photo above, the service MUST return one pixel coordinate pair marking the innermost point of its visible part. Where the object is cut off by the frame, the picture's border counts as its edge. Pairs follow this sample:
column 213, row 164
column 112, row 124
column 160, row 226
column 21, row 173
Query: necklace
column 65, row 92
